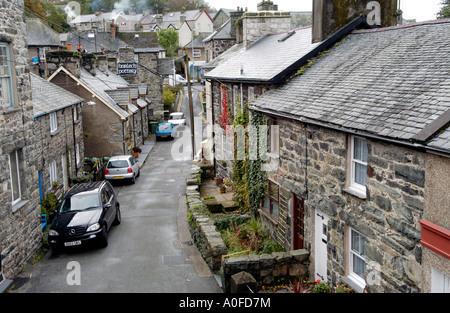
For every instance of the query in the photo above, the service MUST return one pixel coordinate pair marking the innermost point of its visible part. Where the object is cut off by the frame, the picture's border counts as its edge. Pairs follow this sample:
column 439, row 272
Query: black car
column 85, row 215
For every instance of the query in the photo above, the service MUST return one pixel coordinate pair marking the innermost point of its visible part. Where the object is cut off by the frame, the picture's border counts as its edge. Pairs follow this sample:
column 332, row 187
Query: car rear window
column 176, row 117
column 80, row 202
column 117, row 164
column 164, row 127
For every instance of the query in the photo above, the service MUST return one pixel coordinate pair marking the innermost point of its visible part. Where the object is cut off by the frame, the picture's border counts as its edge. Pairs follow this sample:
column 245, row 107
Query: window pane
column 360, row 174
column 359, row 266
column 266, row 203
column 358, row 243
column 13, row 165
column 275, row 209
column 360, row 149
column 273, row 190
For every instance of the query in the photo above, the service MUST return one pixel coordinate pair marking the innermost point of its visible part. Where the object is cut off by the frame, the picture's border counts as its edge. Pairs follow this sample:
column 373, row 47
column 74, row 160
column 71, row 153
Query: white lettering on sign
column 374, row 16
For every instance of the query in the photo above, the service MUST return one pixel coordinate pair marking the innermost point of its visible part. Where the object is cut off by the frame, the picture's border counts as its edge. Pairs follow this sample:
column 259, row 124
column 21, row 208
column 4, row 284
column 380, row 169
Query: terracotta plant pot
column 219, row 181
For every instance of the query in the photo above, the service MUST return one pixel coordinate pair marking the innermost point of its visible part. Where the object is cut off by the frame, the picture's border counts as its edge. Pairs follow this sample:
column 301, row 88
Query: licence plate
column 163, row 136
column 72, row 243
column 118, row 177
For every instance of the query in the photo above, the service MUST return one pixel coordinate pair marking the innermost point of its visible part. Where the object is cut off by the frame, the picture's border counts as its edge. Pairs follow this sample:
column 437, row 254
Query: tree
column 445, row 10
column 57, row 18
column 168, row 39
column 34, row 9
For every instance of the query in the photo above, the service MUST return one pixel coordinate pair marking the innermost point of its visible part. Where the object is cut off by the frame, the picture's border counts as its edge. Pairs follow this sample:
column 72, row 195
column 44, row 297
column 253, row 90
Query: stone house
column 99, row 21
column 271, row 52
column 148, row 62
column 128, row 22
column 362, row 176
column 106, row 126
column 40, row 38
column 58, row 125
column 20, row 225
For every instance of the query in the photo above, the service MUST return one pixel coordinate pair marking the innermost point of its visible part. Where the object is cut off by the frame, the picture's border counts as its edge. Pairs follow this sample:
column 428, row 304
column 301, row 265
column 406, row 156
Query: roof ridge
column 409, row 25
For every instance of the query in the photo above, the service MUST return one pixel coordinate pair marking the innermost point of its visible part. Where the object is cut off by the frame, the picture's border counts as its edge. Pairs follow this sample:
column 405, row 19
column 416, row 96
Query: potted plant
column 219, row 181
column 54, row 185
column 136, row 150
column 223, row 188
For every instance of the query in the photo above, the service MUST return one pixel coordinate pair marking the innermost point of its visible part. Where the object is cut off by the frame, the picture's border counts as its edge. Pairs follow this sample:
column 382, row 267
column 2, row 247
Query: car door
column 134, row 165
column 108, row 208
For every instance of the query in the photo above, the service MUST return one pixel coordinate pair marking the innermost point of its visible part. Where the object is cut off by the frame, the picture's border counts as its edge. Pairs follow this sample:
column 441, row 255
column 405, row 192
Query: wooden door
column 299, row 225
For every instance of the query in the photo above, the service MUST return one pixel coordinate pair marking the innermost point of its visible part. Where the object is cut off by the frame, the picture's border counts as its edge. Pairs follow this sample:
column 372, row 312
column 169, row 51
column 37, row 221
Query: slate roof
column 39, row 34
column 390, row 82
column 221, row 33
column 48, row 97
column 264, row 60
column 100, row 83
column 102, row 40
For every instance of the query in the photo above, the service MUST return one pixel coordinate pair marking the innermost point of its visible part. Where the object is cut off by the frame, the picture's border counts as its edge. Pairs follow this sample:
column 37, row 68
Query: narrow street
column 146, row 251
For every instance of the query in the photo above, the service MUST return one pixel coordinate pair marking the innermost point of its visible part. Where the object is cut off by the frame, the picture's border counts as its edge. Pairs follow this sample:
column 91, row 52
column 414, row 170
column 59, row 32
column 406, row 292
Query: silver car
column 122, row 167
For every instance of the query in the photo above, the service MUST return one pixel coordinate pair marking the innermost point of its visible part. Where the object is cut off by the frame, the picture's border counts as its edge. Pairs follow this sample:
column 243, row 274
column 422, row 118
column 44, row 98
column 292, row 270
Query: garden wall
column 204, row 234
column 267, row 269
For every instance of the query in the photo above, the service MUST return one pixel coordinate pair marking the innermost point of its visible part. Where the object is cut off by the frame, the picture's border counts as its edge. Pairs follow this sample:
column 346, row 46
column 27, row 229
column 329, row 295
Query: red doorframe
column 299, row 223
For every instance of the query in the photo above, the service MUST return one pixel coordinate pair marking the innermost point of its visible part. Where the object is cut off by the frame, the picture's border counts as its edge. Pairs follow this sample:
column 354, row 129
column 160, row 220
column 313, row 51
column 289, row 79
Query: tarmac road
column 144, row 253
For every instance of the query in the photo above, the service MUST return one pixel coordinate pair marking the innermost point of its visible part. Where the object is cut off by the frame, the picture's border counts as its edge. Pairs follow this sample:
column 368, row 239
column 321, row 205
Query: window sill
column 353, row 283
column 269, row 216
column 17, row 206
column 56, row 132
column 356, row 192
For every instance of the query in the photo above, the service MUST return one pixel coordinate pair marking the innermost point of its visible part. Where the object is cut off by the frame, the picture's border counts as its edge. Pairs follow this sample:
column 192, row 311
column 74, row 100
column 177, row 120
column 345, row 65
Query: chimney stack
column 331, row 15
column 113, row 29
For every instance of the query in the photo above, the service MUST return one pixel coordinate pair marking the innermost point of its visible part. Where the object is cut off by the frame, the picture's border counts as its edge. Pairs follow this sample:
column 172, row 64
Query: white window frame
column 15, row 168
column 354, row 277
column 440, row 282
column 197, row 53
column 53, row 173
column 354, row 187
column 251, row 93
column 77, row 151
column 6, row 87
column 53, row 122
column 75, row 113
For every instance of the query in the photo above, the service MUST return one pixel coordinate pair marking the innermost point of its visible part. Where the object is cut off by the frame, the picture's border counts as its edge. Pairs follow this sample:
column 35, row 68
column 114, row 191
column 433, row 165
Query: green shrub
column 322, row 287
column 270, row 246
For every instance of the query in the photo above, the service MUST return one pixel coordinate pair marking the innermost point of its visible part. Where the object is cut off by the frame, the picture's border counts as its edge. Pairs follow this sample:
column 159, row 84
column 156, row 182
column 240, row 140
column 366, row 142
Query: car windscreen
column 176, row 117
column 164, row 127
column 80, row 202
column 117, row 164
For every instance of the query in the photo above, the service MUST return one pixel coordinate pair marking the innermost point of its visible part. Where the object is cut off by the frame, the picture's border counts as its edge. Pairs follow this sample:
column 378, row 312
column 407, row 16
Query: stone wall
column 313, row 167
column 267, row 269
column 203, row 231
column 256, row 25
column 20, row 227
column 54, row 146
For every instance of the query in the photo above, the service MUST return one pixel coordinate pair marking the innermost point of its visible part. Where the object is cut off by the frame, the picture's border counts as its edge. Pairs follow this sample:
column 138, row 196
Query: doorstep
column 4, row 284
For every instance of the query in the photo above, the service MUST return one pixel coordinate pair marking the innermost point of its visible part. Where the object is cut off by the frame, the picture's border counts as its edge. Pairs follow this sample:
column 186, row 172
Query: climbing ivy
column 250, row 181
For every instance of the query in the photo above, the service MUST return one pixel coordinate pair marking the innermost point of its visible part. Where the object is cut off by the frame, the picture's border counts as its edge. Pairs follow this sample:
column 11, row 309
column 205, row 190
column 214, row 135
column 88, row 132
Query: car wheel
column 133, row 179
column 118, row 218
column 56, row 249
column 104, row 237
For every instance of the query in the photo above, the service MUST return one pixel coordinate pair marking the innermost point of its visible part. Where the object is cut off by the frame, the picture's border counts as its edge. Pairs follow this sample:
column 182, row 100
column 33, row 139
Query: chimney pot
column 69, row 47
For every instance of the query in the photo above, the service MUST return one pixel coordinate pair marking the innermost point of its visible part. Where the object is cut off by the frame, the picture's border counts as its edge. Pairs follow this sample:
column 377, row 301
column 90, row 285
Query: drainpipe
column 123, row 137
column 74, row 140
column 212, row 125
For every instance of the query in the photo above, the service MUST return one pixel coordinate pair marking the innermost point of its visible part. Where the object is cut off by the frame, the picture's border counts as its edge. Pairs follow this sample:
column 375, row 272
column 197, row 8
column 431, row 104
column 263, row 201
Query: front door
column 299, row 225
column 321, row 236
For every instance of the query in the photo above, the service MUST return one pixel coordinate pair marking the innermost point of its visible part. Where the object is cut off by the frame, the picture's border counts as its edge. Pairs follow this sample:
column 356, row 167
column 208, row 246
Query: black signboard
column 127, row 69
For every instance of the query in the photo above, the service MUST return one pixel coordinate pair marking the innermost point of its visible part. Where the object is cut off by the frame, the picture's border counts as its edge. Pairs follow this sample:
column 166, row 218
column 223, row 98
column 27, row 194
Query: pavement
column 147, row 147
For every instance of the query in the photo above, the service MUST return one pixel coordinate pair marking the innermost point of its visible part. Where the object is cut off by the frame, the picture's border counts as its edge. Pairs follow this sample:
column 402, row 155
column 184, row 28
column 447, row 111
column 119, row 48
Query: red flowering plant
column 224, row 118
